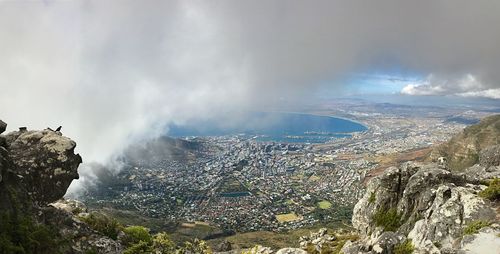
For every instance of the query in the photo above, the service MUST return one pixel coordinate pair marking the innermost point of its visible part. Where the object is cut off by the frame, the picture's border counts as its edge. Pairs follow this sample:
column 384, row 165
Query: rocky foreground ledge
column 424, row 208
column 36, row 168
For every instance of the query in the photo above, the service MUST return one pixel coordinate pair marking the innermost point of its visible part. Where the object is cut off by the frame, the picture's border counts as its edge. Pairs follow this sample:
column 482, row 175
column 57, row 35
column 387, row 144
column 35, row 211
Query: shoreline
column 314, row 114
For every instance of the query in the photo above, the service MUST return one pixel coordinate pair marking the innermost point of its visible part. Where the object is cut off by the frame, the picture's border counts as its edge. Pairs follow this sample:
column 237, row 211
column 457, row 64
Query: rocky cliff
column 450, row 206
column 466, row 148
column 426, row 208
column 36, row 168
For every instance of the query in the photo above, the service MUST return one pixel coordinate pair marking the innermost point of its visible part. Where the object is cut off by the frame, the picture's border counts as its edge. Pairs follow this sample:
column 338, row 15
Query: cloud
column 114, row 72
column 466, row 86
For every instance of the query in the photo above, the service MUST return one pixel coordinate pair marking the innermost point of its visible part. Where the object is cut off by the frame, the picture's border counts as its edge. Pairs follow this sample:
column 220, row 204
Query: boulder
column 71, row 206
column 432, row 205
column 490, row 156
column 45, row 161
column 386, row 242
column 316, row 240
column 478, row 173
column 291, row 251
column 485, row 242
column 3, row 126
column 82, row 239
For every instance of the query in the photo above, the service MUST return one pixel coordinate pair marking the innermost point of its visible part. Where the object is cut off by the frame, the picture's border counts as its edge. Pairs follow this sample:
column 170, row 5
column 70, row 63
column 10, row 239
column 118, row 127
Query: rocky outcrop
column 489, row 157
column 316, row 240
column 45, row 162
column 36, row 168
column 424, row 203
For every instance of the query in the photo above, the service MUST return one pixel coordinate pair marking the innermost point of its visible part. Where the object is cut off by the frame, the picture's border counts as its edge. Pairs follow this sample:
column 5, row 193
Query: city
column 239, row 184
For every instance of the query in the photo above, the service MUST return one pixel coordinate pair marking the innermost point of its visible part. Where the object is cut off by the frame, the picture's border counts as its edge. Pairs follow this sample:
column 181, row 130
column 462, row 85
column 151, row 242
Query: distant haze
column 115, row 72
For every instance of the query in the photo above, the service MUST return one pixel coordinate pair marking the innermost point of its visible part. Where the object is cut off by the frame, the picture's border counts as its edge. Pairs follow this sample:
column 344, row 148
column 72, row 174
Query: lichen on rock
column 432, row 204
column 46, row 162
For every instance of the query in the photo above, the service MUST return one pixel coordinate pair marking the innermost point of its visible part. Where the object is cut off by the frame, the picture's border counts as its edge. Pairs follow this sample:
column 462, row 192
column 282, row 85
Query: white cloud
column 466, row 86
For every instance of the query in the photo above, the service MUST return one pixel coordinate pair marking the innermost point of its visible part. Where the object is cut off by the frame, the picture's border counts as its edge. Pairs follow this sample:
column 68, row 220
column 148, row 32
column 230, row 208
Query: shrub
column 103, row 224
column 372, row 198
column 163, row 244
column 493, row 190
column 196, row 246
column 20, row 234
column 139, row 248
column 390, row 220
column 136, row 234
column 475, row 226
column 405, row 247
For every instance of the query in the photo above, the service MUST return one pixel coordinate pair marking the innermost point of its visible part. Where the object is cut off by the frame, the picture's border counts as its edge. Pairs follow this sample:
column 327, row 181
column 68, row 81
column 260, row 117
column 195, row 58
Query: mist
column 113, row 73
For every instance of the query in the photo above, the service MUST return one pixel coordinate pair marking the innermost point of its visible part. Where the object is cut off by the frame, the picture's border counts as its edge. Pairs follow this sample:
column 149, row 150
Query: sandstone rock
column 386, row 242
column 490, row 156
column 224, row 246
column 46, row 161
column 316, row 240
column 434, row 205
column 3, row 126
column 477, row 173
column 351, row 248
column 259, row 250
column 81, row 237
column 36, row 167
column 486, row 242
column 71, row 206
column 291, row 251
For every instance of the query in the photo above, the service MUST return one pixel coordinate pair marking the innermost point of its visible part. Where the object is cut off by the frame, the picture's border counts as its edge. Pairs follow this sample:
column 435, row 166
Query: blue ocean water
column 275, row 126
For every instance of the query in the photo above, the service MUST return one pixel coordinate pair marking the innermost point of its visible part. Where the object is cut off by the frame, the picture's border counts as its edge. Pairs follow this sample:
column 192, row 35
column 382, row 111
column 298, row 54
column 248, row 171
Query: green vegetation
column 162, row 243
column 103, row 224
column 372, row 198
column 390, row 220
column 493, row 190
column 138, row 240
column 324, row 204
column 196, row 246
column 475, row 226
column 136, row 234
column 139, row 248
column 405, row 247
column 19, row 234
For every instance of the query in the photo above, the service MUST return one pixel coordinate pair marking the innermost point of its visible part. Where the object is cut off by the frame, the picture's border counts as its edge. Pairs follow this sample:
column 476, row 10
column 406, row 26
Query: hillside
column 465, row 149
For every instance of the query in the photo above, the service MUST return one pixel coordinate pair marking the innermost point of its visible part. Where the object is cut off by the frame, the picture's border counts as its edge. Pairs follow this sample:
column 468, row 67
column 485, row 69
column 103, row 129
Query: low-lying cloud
column 114, row 72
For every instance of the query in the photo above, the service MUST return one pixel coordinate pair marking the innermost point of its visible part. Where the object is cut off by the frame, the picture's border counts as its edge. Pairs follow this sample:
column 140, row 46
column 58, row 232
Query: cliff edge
column 36, row 168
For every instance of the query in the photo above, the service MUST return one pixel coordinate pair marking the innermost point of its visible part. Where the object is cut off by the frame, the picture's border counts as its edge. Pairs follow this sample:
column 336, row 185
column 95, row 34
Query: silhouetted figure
column 59, row 128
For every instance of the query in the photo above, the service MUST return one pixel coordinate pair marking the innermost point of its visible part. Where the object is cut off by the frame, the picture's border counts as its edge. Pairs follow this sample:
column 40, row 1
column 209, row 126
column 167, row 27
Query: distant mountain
column 465, row 149
column 163, row 148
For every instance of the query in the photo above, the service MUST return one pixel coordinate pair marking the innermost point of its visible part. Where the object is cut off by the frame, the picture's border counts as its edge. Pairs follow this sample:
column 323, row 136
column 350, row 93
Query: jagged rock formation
column 45, row 161
column 316, row 241
column 424, row 203
column 464, row 150
column 36, row 168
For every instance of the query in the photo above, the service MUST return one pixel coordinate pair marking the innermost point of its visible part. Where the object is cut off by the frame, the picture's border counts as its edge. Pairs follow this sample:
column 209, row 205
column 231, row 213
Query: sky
column 116, row 72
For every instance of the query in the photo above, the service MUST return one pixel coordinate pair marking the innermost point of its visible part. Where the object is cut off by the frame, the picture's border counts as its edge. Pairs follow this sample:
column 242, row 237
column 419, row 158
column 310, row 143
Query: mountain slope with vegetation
column 464, row 149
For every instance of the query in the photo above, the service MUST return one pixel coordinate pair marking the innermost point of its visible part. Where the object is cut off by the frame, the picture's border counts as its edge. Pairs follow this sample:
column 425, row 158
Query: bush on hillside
column 493, row 190
column 390, row 220
column 103, row 224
